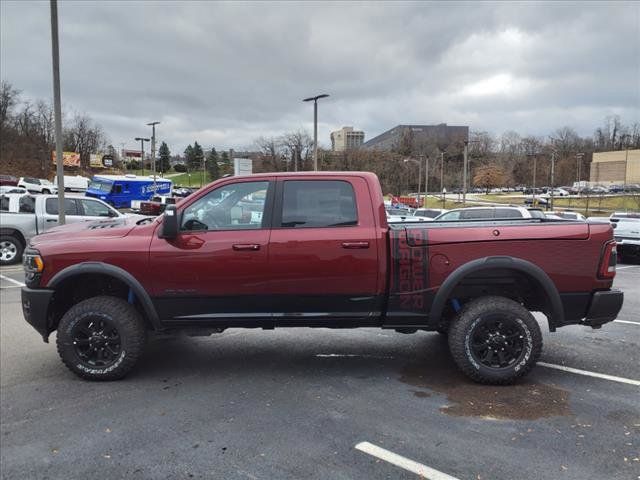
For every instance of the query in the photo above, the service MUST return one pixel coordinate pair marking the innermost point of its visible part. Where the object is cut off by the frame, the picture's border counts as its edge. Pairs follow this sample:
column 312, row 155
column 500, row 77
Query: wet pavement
column 293, row 403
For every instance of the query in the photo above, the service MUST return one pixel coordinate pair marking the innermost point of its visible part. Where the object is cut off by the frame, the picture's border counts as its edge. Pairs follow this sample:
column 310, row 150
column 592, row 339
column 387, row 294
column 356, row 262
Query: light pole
column 142, row 140
column 315, row 127
column 57, row 108
column 442, row 177
column 153, row 153
column 578, row 166
column 426, row 179
column 407, row 160
column 553, row 165
column 464, row 173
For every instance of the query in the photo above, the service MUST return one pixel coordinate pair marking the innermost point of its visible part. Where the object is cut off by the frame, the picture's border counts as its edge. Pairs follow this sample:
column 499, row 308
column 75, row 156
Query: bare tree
column 84, row 137
column 298, row 146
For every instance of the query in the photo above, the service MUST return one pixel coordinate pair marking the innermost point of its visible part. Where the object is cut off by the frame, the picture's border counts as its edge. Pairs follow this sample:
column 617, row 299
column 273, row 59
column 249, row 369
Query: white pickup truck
column 23, row 216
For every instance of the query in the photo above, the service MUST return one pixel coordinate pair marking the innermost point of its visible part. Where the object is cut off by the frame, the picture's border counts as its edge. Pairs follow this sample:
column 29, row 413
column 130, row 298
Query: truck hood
column 107, row 228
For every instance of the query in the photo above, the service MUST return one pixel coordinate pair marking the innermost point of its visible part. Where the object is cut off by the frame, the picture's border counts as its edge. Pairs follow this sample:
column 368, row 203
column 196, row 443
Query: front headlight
column 32, row 262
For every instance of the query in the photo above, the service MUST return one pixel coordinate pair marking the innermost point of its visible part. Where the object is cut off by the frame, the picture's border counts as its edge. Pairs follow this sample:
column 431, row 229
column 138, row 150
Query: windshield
column 101, row 185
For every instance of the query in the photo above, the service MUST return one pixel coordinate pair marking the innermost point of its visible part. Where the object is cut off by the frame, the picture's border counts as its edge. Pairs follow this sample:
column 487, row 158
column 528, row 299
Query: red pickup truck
column 315, row 250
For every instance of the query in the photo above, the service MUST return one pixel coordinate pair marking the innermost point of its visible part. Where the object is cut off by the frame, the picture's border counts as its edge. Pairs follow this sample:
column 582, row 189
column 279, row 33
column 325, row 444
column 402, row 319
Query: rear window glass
column 318, row 203
column 512, row 213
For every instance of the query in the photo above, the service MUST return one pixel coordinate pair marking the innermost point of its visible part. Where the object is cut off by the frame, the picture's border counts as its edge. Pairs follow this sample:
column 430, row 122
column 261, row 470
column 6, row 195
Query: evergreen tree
column 198, row 157
column 212, row 164
column 188, row 157
column 164, row 158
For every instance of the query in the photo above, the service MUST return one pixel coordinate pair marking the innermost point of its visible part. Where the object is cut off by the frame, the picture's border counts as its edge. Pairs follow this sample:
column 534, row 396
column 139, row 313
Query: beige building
column 619, row 167
column 346, row 138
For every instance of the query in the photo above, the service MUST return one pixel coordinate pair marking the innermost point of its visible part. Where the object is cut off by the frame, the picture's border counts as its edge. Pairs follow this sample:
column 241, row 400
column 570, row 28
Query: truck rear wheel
column 495, row 340
column 101, row 338
column 10, row 250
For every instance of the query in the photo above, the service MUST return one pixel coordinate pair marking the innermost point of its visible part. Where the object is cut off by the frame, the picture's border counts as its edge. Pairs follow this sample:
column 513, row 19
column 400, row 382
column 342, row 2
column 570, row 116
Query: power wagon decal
column 408, row 292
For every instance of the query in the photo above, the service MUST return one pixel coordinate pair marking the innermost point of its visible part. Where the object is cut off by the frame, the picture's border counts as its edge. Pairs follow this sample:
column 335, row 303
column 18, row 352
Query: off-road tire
column 46, row 191
column 17, row 244
column 487, row 309
column 119, row 313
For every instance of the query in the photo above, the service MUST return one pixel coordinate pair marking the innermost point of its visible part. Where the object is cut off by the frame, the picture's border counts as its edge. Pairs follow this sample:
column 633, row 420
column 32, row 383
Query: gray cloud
column 226, row 73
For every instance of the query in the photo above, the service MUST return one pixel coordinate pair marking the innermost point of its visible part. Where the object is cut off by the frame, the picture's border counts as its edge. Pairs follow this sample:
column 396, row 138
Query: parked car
column 74, row 183
column 539, row 200
column 24, row 216
column 4, row 189
column 487, row 213
column 627, row 234
column 570, row 215
column 37, row 185
column 127, row 191
column 557, row 192
column 429, row 212
column 406, row 218
column 314, row 250
column 8, row 180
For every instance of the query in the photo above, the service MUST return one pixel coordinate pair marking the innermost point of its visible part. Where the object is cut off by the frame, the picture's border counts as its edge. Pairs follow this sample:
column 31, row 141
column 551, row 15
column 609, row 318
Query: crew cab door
column 217, row 267
column 323, row 253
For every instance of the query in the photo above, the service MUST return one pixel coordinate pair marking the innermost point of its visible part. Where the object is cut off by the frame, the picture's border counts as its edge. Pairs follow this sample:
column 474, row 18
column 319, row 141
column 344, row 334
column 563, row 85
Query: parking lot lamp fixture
column 315, row 127
column 153, row 152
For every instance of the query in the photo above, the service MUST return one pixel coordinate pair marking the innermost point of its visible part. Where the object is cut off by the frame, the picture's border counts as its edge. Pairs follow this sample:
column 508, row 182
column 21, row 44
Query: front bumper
column 604, row 307
column 35, row 308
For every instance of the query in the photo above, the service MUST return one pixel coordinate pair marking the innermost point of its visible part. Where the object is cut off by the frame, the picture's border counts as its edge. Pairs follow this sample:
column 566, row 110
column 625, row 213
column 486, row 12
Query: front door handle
column 355, row 244
column 51, row 220
column 246, row 246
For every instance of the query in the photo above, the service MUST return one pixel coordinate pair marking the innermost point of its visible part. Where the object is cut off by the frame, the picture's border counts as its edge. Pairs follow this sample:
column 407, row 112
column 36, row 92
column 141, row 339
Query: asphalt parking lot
column 322, row 404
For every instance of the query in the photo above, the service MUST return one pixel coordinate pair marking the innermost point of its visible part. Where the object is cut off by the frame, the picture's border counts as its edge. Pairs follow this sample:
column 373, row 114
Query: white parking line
column 11, row 280
column 10, row 286
column 403, row 462
column 627, row 321
column 591, row 374
column 626, row 266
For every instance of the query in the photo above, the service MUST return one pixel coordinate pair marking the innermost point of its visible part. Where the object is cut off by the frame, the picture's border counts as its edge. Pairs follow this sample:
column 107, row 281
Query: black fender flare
column 112, row 271
column 556, row 313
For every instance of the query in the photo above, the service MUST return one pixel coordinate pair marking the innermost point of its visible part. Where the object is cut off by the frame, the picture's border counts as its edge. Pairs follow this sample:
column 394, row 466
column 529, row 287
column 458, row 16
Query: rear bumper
column 35, row 308
column 604, row 307
column 592, row 309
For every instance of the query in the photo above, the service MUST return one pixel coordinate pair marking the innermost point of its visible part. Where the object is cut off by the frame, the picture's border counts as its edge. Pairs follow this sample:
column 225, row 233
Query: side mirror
column 169, row 223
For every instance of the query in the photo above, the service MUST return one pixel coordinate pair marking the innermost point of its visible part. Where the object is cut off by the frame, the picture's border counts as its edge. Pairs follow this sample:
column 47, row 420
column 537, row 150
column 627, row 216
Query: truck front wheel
column 495, row 340
column 101, row 338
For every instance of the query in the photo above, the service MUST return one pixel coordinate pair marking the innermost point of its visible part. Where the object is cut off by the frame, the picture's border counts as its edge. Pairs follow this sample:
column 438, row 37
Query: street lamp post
column 578, row 166
column 142, row 140
column 315, row 127
column 442, row 177
column 553, row 165
column 426, row 180
column 407, row 160
column 57, row 108
column 153, row 152
column 464, row 173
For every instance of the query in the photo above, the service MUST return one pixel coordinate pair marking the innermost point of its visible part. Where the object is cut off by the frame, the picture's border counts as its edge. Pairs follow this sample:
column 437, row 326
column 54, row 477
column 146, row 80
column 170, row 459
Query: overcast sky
column 226, row 73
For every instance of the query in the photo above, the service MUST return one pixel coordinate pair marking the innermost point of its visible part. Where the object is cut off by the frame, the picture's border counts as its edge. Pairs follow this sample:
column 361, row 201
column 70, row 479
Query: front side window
column 480, row 214
column 239, row 206
column 318, row 203
column 102, row 186
column 70, row 207
column 455, row 215
column 95, row 209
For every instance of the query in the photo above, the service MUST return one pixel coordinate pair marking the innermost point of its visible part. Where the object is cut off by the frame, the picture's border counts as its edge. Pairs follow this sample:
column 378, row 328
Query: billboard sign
column 69, row 159
column 242, row 166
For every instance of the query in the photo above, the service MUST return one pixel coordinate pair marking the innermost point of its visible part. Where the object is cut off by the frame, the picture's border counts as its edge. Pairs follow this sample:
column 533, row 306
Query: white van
column 76, row 183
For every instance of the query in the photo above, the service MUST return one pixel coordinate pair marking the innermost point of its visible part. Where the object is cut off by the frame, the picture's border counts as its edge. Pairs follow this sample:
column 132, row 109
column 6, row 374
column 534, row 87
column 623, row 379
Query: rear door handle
column 355, row 244
column 51, row 220
column 246, row 246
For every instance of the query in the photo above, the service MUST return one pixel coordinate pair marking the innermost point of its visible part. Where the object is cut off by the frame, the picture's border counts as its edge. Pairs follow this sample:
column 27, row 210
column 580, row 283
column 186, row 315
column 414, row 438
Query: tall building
column 346, row 138
column 621, row 166
column 415, row 137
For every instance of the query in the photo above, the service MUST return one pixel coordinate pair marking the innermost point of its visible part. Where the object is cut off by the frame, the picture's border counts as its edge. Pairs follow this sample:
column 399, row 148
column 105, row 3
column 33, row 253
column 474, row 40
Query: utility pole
column 153, row 153
column 464, row 173
column 57, row 106
column 535, row 164
column 315, row 127
column 442, row 177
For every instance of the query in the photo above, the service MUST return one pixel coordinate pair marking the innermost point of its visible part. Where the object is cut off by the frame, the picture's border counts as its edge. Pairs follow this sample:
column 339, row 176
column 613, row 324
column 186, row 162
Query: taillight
column 608, row 261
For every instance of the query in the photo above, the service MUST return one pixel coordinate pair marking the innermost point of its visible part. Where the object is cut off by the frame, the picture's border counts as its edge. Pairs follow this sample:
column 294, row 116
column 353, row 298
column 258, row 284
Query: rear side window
column 510, row 213
column 27, row 204
column 70, row 207
column 318, row 203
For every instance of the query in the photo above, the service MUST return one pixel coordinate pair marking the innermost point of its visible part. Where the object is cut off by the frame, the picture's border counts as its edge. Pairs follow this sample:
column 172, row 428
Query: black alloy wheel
column 97, row 342
column 498, row 341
